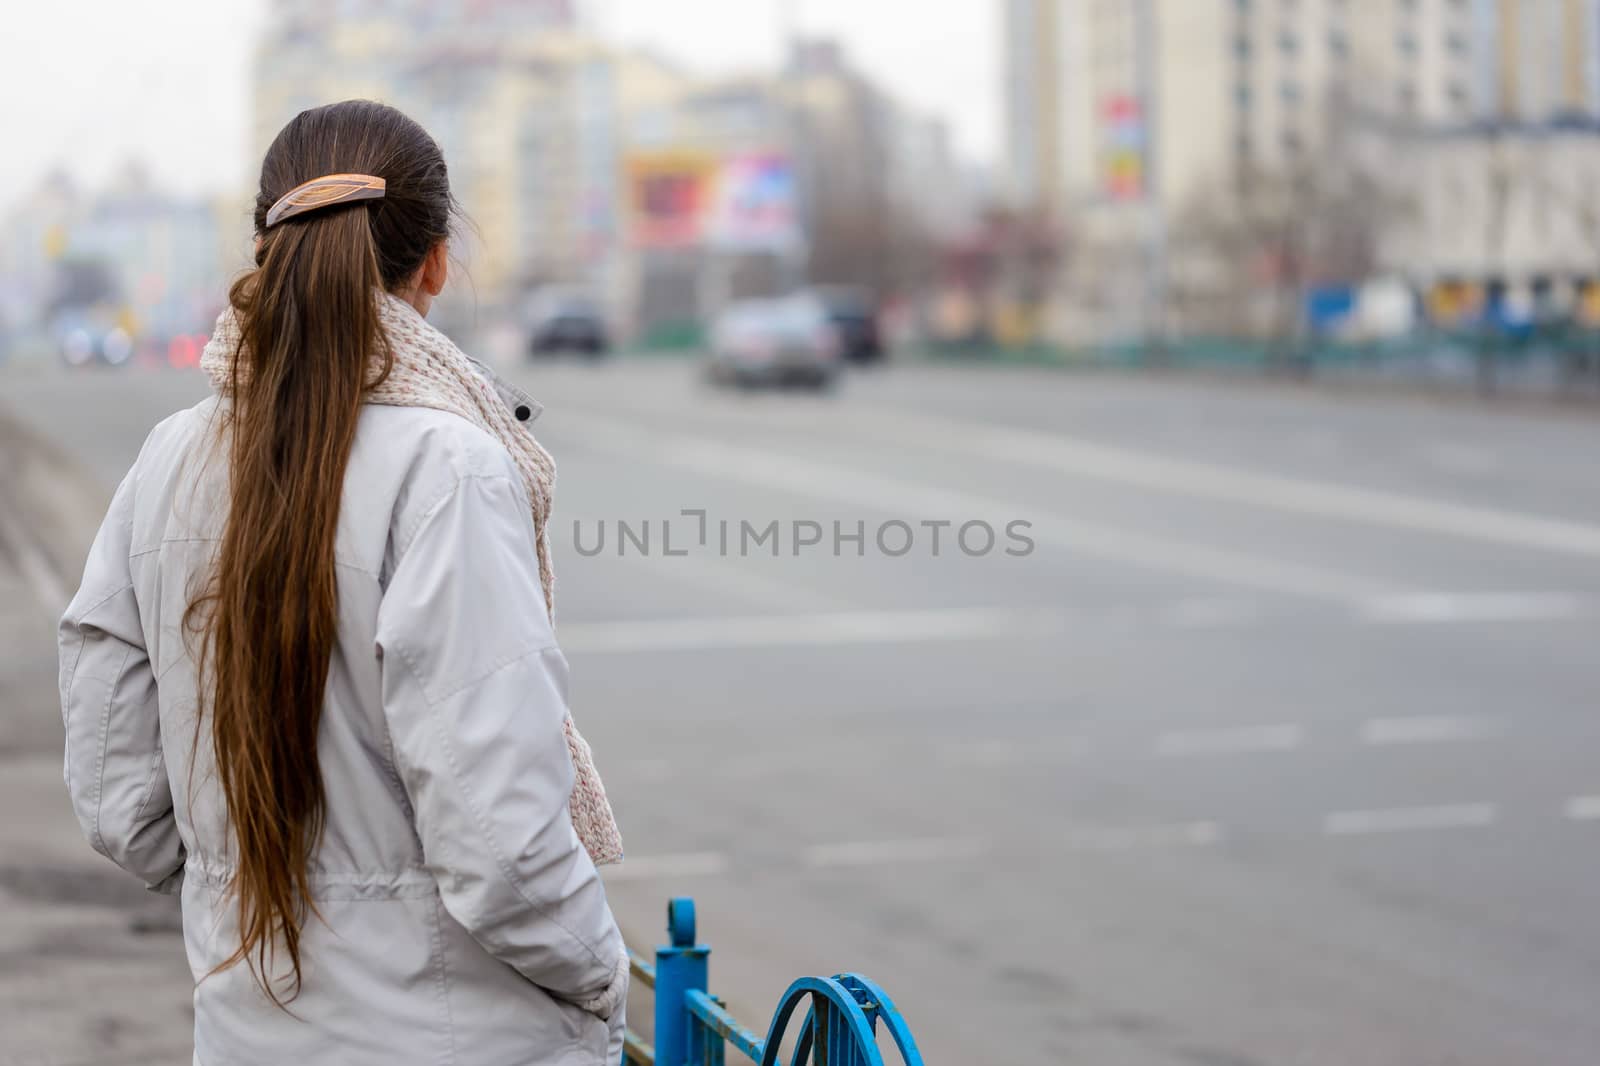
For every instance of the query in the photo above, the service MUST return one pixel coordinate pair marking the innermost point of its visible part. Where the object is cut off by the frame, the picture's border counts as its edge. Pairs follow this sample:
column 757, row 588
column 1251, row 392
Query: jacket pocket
column 590, row 1035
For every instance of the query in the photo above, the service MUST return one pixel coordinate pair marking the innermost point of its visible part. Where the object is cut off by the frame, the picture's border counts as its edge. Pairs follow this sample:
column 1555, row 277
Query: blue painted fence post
column 680, row 969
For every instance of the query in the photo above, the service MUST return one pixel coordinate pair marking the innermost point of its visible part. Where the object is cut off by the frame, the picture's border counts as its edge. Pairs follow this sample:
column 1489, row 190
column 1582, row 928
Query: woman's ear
column 436, row 269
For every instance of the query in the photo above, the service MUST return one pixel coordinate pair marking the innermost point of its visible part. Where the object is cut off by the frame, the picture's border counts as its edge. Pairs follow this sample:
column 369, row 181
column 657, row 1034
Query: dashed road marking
column 890, row 852
column 1409, row 819
column 1426, row 729
column 1466, row 607
column 1583, row 808
column 670, row 867
column 1229, row 740
column 810, row 630
column 1127, row 838
column 999, row 623
column 1059, row 750
column 992, row 753
column 817, row 764
column 944, row 624
column 1213, row 481
column 1108, row 838
column 773, row 470
column 895, row 852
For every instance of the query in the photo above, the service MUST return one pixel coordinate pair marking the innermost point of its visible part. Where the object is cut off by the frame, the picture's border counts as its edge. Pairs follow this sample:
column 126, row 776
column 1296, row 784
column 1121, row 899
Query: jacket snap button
column 523, row 412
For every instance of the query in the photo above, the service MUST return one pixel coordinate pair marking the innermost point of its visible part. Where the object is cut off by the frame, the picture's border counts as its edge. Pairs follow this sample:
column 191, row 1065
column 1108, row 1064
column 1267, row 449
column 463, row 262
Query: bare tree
column 1253, row 247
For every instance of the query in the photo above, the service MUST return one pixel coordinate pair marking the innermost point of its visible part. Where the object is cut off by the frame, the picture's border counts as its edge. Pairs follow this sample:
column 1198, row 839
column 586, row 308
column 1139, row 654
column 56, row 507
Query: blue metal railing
column 694, row 1028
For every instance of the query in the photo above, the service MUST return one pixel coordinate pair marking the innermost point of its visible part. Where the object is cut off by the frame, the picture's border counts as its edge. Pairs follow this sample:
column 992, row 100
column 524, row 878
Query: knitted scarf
column 430, row 371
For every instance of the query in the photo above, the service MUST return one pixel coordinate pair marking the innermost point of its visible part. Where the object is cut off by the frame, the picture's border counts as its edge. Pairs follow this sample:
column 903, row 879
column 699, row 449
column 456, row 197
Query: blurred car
column 566, row 321
column 91, row 337
column 856, row 322
column 774, row 342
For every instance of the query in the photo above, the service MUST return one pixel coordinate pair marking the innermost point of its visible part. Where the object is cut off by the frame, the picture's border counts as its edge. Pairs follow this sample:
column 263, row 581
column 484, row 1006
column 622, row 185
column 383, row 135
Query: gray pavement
column 1279, row 747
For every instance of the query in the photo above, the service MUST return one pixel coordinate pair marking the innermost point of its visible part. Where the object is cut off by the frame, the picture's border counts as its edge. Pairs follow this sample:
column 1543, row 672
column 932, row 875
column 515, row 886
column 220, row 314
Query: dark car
column 564, row 323
column 573, row 332
column 855, row 321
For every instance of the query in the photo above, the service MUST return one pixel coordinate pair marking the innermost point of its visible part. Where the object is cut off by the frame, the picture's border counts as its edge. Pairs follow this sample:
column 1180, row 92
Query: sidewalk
column 91, row 966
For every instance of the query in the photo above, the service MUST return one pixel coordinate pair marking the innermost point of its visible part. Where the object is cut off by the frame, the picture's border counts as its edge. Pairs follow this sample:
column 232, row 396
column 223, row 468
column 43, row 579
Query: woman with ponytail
column 310, row 682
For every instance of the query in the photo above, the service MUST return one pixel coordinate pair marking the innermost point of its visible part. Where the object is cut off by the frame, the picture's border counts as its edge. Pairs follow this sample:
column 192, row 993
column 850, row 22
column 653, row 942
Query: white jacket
column 460, row 918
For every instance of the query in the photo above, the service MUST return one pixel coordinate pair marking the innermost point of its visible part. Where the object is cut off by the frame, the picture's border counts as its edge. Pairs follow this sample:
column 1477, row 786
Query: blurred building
column 34, row 236
column 138, row 257
column 522, row 105
column 1545, row 57
column 1502, row 212
column 746, row 186
column 165, row 255
column 1152, row 125
column 1254, row 84
column 882, row 184
column 1035, row 48
column 571, row 156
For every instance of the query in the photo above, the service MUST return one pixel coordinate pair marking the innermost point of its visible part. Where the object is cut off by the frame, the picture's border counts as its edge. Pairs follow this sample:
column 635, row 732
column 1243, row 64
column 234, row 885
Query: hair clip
column 323, row 192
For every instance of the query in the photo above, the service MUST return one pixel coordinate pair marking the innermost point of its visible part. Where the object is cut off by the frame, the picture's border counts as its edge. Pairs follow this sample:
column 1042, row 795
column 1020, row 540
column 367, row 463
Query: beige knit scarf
column 430, row 371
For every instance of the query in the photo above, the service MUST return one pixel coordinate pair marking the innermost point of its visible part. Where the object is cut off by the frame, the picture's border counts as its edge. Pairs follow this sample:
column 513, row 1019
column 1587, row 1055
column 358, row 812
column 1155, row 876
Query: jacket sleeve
column 474, row 690
column 115, row 770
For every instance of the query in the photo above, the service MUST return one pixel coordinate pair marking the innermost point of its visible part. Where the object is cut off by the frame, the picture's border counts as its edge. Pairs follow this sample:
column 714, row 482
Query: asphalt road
column 1280, row 746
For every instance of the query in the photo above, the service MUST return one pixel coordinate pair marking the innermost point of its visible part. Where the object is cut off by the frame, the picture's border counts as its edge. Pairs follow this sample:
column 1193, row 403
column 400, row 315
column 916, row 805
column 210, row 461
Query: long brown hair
column 311, row 345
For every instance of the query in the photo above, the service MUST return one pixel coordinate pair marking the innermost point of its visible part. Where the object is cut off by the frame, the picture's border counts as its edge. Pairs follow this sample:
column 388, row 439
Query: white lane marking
column 1444, row 608
column 833, row 628
column 821, row 764
column 1409, row 819
column 1061, row 750
column 1274, row 491
column 1080, row 838
column 1427, row 729
column 887, row 852
column 1129, row 837
column 920, row 625
column 776, row 471
column 667, row 867
column 1229, row 740
column 1012, row 753
column 1583, row 808
column 993, row 753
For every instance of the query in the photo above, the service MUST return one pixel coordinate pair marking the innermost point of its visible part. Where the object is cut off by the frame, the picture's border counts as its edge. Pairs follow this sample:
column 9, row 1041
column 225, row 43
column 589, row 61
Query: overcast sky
column 90, row 84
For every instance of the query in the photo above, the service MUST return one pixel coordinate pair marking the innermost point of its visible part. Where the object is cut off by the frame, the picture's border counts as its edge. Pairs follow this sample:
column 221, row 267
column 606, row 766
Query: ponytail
column 308, row 326
column 311, row 345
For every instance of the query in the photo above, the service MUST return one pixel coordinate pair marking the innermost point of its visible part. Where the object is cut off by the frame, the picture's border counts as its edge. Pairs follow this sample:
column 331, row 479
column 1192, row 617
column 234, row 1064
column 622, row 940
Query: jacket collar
column 513, row 397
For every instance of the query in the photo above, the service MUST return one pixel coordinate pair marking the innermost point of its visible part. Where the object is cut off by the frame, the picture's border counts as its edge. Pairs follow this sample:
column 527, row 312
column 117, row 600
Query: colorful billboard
column 748, row 202
column 1123, row 134
column 755, row 206
column 668, row 195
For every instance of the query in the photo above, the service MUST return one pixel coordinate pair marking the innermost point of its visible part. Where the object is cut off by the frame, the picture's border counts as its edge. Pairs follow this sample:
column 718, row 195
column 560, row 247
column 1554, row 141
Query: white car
column 774, row 342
